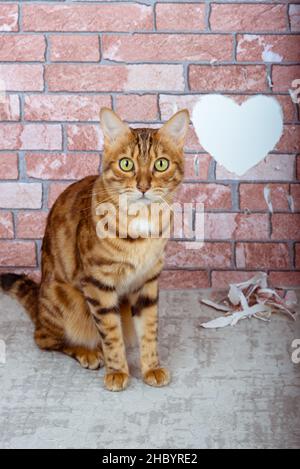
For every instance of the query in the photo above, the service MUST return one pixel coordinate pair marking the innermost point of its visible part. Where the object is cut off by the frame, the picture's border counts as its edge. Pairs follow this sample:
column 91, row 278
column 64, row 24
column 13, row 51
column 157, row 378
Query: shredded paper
column 250, row 299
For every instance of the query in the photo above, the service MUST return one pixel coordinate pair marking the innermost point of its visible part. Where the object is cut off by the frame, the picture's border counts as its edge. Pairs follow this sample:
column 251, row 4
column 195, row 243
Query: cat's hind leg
column 66, row 325
column 90, row 359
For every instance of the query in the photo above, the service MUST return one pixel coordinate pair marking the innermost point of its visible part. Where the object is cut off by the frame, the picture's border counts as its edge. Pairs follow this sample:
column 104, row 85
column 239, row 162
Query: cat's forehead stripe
column 144, row 142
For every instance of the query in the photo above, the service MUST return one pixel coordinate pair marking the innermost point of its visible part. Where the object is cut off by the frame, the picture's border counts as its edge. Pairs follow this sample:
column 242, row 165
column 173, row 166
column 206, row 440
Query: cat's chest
column 144, row 258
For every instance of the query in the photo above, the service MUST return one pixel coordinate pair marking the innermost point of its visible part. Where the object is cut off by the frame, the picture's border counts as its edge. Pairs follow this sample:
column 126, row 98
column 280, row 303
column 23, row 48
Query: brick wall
column 62, row 60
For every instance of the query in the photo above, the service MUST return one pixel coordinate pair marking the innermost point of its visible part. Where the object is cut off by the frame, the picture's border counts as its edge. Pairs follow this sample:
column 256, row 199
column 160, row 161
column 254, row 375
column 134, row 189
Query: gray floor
column 232, row 388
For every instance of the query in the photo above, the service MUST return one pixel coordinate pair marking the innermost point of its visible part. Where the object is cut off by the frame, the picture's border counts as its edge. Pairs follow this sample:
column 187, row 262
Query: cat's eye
column 126, row 164
column 162, row 164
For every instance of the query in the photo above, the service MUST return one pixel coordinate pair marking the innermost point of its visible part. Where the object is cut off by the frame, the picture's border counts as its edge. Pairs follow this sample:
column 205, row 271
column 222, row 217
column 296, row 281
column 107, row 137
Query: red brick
column 9, row 166
column 155, row 77
column 294, row 14
column 183, row 279
column 227, row 78
column 167, row 47
column 169, row 103
column 84, row 137
column 298, row 167
column 55, row 189
column 61, row 77
column 213, row 196
column 284, row 279
column 74, row 48
column 264, row 48
column 274, row 167
column 61, row 166
column 135, row 107
column 22, row 48
column 222, row 279
column 236, row 226
column 136, row 125
column 6, row 225
column 9, row 16
column 197, row 166
column 297, row 254
column 64, row 107
column 295, row 194
column 13, row 253
column 31, row 224
column 9, row 108
column 252, row 197
column 30, row 137
column 262, row 256
column 283, row 76
column 286, row 226
column 180, row 17
column 68, row 77
column 288, row 107
column 214, row 255
column 22, row 77
column 112, row 17
column 290, row 140
column 248, row 18
column 192, row 142
column 20, row 195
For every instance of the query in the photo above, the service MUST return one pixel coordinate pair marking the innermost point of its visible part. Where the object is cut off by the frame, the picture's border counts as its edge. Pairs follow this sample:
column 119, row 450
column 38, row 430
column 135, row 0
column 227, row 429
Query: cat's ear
column 177, row 127
column 113, row 127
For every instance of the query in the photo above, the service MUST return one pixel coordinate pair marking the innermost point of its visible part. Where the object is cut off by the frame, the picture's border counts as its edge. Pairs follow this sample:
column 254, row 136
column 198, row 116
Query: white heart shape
column 238, row 136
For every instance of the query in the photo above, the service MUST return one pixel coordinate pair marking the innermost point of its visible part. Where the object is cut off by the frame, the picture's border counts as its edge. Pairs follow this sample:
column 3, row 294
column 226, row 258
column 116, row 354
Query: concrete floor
column 232, row 388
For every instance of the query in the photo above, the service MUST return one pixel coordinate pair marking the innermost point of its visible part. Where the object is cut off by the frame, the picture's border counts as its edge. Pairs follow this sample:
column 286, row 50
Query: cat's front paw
column 157, row 377
column 92, row 360
column 116, row 381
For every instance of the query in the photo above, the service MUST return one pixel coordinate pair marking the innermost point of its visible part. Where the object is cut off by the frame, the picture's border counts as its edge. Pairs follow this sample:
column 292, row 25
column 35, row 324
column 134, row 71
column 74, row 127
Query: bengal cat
column 92, row 285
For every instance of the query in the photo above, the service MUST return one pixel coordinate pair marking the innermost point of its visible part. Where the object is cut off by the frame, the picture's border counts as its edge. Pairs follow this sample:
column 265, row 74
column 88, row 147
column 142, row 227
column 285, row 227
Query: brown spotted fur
column 88, row 285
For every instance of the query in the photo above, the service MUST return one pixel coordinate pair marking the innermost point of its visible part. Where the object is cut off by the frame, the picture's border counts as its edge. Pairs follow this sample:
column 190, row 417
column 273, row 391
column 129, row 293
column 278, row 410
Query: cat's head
column 145, row 164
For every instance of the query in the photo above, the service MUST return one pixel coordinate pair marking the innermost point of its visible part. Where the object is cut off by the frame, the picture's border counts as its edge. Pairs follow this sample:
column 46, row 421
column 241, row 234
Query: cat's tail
column 23, row 289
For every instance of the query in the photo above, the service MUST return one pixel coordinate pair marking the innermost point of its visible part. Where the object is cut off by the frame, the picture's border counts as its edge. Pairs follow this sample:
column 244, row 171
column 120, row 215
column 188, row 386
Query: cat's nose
column 143, row 187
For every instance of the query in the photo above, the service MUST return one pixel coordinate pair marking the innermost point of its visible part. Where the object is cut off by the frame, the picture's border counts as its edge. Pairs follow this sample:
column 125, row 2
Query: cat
column 93, row 288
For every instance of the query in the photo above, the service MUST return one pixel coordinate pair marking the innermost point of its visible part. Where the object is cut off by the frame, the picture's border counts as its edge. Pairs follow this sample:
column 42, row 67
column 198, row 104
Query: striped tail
column 26, row 291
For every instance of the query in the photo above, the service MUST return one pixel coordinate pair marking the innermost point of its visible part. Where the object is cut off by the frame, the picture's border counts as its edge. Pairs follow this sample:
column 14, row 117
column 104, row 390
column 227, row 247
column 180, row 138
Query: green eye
column 126, row 164
column 162, row 164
